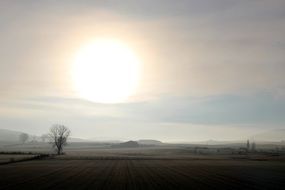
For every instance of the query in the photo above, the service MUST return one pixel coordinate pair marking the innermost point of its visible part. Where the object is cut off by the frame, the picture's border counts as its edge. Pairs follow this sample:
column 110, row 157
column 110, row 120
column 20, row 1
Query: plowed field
column 143, row 174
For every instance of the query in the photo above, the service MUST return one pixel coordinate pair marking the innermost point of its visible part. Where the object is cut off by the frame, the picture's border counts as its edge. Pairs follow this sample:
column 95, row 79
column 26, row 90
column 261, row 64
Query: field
column 143, row 172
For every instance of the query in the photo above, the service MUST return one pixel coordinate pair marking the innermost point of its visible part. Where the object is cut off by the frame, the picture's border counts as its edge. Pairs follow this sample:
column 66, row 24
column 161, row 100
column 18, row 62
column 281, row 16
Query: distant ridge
column 149, row 142
column 128, row 144
column 7, row 135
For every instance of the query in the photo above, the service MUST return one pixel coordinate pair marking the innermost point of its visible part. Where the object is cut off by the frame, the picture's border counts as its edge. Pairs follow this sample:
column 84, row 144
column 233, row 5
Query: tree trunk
column 58, row 150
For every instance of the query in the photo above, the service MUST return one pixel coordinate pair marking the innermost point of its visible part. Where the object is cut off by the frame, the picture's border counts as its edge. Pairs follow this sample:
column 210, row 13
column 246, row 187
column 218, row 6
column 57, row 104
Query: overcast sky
column 211, row 69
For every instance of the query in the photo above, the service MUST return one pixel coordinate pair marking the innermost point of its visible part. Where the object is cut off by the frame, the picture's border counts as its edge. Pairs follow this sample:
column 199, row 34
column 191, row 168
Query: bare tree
column 58, row 136
column 23, row 137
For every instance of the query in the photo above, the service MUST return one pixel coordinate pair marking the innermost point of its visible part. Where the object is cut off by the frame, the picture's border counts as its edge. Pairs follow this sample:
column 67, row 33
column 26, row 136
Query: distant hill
column 149, row 142
column 128, row 144
column 9, row 135
column 272, row 135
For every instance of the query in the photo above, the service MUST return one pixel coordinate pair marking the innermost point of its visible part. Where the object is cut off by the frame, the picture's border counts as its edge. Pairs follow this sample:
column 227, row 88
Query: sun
column 106, row 71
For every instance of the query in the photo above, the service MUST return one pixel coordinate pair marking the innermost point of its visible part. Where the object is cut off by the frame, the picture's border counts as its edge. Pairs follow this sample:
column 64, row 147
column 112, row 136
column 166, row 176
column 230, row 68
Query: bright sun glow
column 106, row 71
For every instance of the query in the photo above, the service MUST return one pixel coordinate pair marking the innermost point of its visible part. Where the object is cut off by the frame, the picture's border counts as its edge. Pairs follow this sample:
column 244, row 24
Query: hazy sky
column 210, row 69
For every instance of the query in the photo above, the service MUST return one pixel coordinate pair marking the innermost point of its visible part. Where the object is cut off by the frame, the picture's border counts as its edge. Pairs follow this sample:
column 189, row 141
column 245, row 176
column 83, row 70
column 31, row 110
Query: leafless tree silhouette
column 58, row 136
